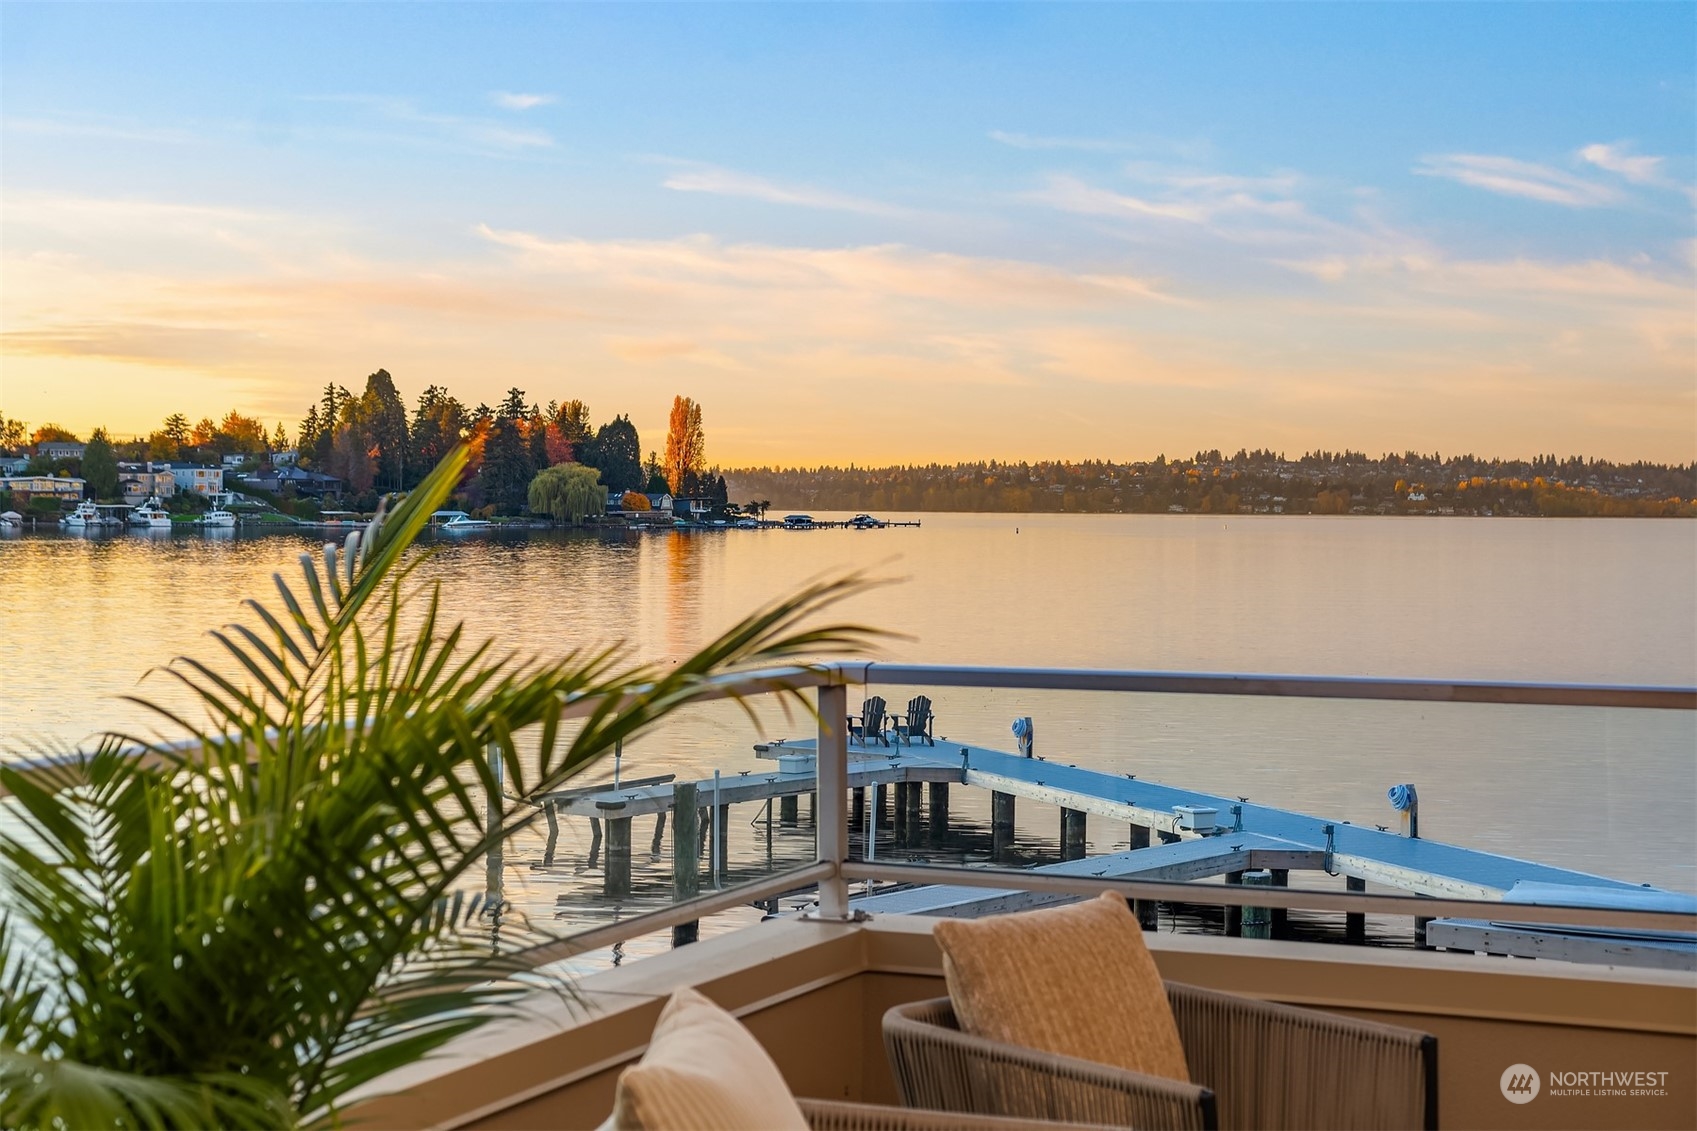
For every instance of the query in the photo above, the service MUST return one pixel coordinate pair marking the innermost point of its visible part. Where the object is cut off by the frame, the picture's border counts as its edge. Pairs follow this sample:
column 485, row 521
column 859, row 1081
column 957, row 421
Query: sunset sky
column 889, row 233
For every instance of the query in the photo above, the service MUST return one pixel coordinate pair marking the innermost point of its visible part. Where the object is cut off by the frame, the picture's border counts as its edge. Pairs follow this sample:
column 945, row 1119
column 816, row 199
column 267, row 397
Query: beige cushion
column 703, row 1072
column 1074, row 980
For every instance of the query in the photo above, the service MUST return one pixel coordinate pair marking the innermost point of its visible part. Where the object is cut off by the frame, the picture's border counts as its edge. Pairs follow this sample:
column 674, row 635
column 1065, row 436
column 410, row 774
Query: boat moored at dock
column 151, row 516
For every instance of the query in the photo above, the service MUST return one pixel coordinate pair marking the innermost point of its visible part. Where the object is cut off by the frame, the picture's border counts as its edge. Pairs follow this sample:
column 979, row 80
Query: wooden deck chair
column 869, row 724
column 915, row 722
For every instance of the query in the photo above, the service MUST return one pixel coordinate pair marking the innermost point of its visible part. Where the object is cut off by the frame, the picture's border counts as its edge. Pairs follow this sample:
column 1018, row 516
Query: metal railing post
column 832, row 766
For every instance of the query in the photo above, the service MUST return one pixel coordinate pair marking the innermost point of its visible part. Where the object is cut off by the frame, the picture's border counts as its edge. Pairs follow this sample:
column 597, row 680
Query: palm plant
column 241, row 929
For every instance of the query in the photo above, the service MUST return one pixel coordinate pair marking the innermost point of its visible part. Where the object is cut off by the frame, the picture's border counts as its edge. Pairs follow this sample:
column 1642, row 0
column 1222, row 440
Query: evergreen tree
column 380, row 420
column 507, row 470
column 100, row 466
column 616, row 452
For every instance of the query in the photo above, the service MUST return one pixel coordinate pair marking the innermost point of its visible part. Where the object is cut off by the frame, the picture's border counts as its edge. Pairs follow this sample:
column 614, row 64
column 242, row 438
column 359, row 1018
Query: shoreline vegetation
column 367, row 445
column 1259, row 482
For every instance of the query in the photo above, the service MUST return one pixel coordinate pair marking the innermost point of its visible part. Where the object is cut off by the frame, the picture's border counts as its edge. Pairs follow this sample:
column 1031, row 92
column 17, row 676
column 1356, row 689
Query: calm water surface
column 1613, row 792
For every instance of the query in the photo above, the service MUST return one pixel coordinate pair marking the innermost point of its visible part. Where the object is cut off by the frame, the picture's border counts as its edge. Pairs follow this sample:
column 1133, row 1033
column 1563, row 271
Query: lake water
column 1605, row 601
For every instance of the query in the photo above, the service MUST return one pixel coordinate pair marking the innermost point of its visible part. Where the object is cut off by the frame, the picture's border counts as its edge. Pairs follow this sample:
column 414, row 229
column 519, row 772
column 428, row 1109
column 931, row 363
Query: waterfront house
column 197, row 478
column 660, row 502
column 13, row 465
column 138, row 482
column 55, row 450
column 274, row 480
column 27, row 487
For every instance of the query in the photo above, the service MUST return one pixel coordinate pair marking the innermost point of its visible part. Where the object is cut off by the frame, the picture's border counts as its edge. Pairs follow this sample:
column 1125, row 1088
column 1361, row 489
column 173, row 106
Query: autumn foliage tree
column 686, row 447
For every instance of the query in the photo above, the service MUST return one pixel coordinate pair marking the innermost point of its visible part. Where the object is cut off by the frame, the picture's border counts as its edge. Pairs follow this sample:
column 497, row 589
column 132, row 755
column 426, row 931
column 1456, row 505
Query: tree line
column 371, row 444
column 1262, row 481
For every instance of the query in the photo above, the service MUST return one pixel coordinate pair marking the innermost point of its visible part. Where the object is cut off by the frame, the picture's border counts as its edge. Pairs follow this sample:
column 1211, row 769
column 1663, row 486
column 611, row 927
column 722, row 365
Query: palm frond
column 276, row 901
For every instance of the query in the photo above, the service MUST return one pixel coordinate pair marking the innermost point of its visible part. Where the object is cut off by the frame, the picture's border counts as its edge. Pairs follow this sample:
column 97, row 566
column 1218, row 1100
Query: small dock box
column 1195, row 818
column 795, row 763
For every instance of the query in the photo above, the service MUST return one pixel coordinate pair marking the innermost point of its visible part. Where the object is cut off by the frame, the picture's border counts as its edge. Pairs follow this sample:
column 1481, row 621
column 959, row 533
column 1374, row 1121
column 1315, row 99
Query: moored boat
column 86, row 515
column 151, row 515
column 456, row 522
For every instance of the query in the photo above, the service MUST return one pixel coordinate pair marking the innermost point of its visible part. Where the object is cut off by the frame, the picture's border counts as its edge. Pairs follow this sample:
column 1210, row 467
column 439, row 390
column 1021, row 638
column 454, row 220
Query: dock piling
column 686, row 858
column 659, row 835
column 1257, row 922
column 1001, row 823
column 1234, row 915
column 900, row 789
column 1354, row 923
column 912, row 821
column 789, row 811
column 939, row 813
column 616, row 882
column 1072, row 834
column 1280, row 923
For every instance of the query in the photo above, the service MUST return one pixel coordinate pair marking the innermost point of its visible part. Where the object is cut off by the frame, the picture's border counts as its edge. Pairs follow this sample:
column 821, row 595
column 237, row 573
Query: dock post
column 813, row 809
column 1148, row 910
column 616, row 882
column 553, row 815
column 913, row 822
column 686, row 857
column 1072, row 834
column 881, row 806
column 1354, row 923
column 1257, row 921
column 594, row 841
column 721, row 833
column 1001, row 823
column 1420, row 922
column 789, row 810
column 857, row 815
column 721, row 844
column 1280, row 924
column 1234, row 915
column 939, row 812
column 1139, row 836
column 899, row 807
column 659, row 834
column 492, row 825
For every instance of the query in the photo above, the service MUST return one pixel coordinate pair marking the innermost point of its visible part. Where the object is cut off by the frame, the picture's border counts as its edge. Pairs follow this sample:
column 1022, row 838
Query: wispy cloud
column 486, row 134
column 1033, row 141
column 1509, row 176
column 108, row 129
column 729, row 182
column 510, row 100
column 1638, row 169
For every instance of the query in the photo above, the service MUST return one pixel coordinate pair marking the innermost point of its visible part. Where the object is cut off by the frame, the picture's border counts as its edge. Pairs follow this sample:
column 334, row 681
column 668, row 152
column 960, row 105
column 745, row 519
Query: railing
column 834, row 870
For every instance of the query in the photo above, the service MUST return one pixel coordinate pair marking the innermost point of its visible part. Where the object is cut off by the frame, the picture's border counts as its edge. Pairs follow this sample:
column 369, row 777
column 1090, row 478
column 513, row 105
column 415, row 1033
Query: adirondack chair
column 869, row 724
column 915, row 722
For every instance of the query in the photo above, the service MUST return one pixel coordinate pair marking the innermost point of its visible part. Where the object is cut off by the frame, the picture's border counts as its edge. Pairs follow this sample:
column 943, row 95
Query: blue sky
column 1044, row 230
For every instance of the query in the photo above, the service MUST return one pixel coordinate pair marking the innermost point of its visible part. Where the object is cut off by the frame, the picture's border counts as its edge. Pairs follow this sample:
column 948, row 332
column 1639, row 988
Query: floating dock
column 1174, row 834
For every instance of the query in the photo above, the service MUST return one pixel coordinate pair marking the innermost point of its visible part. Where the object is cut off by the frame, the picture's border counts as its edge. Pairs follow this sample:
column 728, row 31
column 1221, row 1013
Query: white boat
column 218, row 516
column 86, row 515
column 457, row 522
column 11, row 518
column 151, row 516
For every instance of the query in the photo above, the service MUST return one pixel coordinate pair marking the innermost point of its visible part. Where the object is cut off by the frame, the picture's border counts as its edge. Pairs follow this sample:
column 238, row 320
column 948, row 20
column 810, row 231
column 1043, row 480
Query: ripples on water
column 1543, row 600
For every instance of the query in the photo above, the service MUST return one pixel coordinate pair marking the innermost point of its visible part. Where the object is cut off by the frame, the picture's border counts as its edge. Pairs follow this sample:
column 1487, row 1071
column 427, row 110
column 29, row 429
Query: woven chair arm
column 1277, row 1066
column 835, row 1115
column 938, row 1067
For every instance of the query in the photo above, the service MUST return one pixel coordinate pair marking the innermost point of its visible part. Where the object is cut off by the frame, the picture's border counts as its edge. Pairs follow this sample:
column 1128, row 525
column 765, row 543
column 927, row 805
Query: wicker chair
column 1255, row 1065
column 831, row 1115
